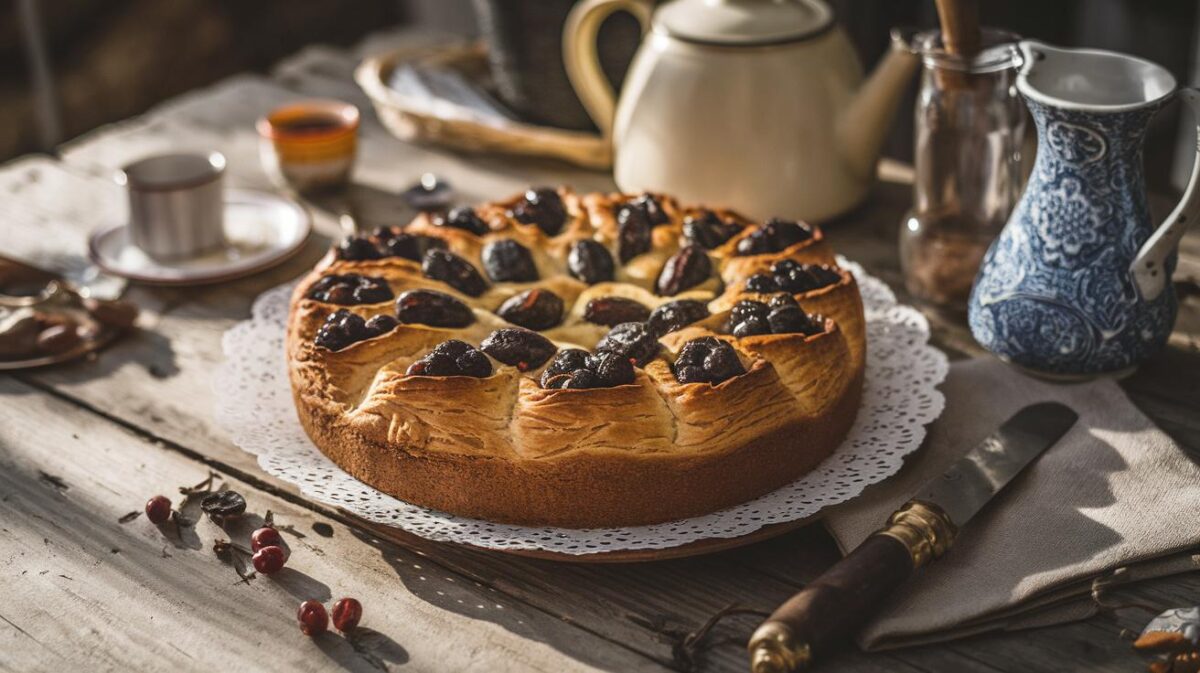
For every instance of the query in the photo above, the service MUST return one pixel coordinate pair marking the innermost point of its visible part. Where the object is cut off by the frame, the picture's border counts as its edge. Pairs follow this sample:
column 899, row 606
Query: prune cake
column 578, row 360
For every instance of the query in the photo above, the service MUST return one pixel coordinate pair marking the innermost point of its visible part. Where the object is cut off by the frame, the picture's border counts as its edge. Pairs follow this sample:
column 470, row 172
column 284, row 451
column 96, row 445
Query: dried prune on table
column 452, row 358
column 535, row 309
column 349, row 289
column 794, row 277
column 685, row 269
column 707, row 360
column 342, row 328
column 518, row 348
column 507, row 261
column 465, row 218
column 433, row 308
column 612, row 311
column 633, row 232
column 708, row 230
column 774, row 235
column 632, row 340
column 675, row 315
column 543, row 207
column 455, row 271
column 223, row 505
column 590, row 262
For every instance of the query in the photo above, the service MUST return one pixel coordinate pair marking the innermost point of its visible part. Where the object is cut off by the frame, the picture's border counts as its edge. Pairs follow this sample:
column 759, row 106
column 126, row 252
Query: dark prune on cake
column 579, row 378
column 633, row 232
column 773, row 236
column 349, row 289
column 357, row 249
column 708, row 230
column 652, row 209
column 518, row 348
column 535, row 309
column 632, row 340
column 507, row 261
column 612, row 311
column 543, row 207
column 675, row 315
column 794, row 277
column 685, row 269
column 575, row 368
column 410, row 246
column 452, row 358
column 611, row 369
column 590, row 262
column 453, row 270
column 762, row 282
column 707, row 360
column 782, row 315
column 433, row 308
column 465, row 218
column 748, row 308
column 793, row 319
column 567, row 360
column 342, row 328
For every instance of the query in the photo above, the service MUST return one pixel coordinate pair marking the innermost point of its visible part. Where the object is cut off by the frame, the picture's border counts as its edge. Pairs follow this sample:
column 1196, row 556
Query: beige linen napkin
column 1115, row 492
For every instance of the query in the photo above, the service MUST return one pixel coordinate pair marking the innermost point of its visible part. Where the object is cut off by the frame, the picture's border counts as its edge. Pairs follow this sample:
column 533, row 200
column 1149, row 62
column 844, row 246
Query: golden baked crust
column 504, row 449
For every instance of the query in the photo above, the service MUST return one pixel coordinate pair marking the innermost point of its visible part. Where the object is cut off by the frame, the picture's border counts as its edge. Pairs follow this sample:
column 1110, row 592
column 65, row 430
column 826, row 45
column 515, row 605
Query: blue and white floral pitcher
column 1078, row 283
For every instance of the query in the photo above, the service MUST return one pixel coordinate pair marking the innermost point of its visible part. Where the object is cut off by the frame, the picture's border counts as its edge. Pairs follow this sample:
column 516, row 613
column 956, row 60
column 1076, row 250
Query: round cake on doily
column 578, row 360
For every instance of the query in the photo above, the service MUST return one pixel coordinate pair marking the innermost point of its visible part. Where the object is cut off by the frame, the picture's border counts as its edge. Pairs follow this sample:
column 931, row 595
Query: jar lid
column 743, row 22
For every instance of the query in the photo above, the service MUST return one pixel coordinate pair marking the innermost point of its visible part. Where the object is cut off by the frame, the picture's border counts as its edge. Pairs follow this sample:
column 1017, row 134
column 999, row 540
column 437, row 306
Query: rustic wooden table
column 85, row 443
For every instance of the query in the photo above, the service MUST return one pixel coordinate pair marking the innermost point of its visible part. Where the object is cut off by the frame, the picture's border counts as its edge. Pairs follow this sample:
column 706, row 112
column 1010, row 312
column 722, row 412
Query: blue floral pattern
column 1054, row 293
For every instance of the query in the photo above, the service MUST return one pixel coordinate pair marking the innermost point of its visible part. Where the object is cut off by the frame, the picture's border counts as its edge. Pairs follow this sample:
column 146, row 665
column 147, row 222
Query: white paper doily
column 900, row 397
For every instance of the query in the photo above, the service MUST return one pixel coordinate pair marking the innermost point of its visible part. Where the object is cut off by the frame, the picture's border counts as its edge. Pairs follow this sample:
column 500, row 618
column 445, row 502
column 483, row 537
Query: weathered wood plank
column 81, row 590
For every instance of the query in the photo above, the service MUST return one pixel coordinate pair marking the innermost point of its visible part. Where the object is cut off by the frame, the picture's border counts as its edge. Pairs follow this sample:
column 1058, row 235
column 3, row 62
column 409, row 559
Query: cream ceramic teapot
column 758, row 105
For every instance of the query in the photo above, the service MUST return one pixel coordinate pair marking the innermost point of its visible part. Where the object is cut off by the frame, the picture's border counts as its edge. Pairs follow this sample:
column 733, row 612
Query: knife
column 830, row 610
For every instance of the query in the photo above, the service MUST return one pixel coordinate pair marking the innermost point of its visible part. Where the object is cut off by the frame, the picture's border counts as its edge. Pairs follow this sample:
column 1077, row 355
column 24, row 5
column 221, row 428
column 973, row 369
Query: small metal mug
column 176, row 203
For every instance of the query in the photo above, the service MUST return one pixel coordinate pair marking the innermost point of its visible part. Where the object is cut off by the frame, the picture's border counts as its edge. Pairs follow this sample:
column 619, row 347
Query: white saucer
column 261, row 230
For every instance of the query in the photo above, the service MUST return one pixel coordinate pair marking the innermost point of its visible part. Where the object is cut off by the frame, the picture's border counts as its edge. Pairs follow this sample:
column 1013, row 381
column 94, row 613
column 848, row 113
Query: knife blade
column 830, row 610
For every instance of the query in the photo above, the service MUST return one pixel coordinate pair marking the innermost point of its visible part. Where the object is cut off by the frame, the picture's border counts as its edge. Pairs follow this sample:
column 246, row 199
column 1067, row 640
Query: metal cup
column 176, row 203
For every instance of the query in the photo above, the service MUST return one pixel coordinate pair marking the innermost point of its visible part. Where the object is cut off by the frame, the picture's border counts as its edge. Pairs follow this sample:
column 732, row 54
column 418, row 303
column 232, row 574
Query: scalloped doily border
column 900, row 398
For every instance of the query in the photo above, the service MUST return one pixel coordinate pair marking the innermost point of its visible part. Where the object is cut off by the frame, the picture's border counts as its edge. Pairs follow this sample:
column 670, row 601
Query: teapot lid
column 743, row 22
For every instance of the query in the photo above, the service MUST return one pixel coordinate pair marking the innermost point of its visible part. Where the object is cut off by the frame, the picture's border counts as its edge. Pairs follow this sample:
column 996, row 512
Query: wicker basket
column 445, row 123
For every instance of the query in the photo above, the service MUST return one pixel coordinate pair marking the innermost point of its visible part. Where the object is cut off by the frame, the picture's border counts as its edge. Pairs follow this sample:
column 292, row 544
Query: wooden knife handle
column 828, row 612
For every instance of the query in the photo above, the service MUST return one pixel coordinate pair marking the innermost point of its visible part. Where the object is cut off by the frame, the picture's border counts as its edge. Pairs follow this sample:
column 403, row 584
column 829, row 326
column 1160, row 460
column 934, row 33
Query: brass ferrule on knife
column 926, row 533
column 923, row 528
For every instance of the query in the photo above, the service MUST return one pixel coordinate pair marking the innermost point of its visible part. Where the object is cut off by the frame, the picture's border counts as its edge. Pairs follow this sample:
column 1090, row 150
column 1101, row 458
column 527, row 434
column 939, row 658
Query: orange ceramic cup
column 310, row 145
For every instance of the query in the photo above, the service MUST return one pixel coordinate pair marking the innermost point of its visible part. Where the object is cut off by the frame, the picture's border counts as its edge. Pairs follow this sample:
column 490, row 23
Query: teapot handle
column 1149, row 268
column 579, row 54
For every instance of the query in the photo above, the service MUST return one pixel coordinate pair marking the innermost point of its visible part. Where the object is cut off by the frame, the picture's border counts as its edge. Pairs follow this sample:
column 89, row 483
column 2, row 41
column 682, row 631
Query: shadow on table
column 646, row 607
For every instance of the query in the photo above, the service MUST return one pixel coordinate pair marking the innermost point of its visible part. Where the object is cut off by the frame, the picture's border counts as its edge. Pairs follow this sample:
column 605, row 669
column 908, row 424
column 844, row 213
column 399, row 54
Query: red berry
column 265, row 537
column 346, row 613
column 158, row 509
column 313, row 618
column 269, row 560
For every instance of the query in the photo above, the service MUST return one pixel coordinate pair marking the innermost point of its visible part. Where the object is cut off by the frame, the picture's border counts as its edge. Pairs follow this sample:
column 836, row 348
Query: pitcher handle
column 1149, row 268
column 582, row 63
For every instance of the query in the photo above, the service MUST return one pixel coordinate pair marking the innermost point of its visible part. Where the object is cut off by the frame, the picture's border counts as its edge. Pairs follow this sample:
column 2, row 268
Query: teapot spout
column 865, row 122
